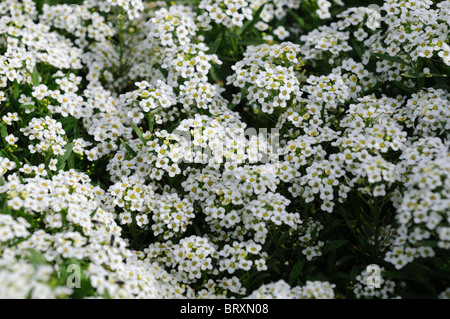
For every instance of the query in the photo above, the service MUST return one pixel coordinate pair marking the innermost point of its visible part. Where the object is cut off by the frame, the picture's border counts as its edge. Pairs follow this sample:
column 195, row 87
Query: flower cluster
column 149, row 100
column 361, row 289
column 21, row 280
column 48, row 133
column 268, row 76
column 11, row 229
column 330, row 90
column 326, row 41
column 427, row 112
column 187, row 260
column 229, row 13
column 229, row 204
column 416, row 30
column 172, row 215
column 224, row 149
column 356, row 77
column 422, row 206
column 282, row 290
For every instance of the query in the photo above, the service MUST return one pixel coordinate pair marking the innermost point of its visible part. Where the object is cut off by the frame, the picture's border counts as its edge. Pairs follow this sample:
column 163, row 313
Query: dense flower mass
column 224, row 149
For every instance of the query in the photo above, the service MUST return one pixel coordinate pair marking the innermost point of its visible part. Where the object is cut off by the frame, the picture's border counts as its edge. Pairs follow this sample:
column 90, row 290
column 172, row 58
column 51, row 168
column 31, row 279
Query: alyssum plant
column 125, row 151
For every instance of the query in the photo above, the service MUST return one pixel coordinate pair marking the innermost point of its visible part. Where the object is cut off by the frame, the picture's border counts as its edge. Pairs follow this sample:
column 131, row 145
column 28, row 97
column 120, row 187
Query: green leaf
column 297, row 18
column 197, row 230
column 138, row 132
column 412, row 75
column 68, row 123
column 437, row 79
column 215, row 46
column 20, row 178
column 159, row 67
column 5, row 208
column 16, row 90
column 344, row 259
column 353, row 273
column 274, row 266
column 250, row 23
column 357, row 48
column 335, row 244
column 128, row 148
column 423, row 75
column 28, row 107
column 252, row 41
column 3, row 131
column 36, row 257
column 391, row 58
column 62, row 159
column 35, row 76
column 71, row 161
column 341, row 275
column 404, row 87
column 261, row 276
column 295, row 272
column 106, row 294
column 215, row 76
column 14, row 158
column 94, row 212
column 310, row 269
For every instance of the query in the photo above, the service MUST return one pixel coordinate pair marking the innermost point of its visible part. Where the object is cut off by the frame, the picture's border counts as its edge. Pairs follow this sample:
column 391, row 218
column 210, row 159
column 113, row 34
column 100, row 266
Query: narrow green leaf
column 249, row 24
column 197, row 230
column 335, row 244
column 5, row 208
column 215, row 76
column 174, row 126
column 28, row 107
column 437, row 79
column 412, row 75
column 3, row 131
column 354, row 272
column 357, row 48
column 295, row 272
column 310, row 269
column 62, row 159
column 16, row 90
column 252, row 41
column 128, row 148
column 138, row 132
column 20, row 178
column 390, row 58
column 14, row 158
column 423, row 75
column 341, row 275
column 299, row 19
column 106, row 294
column 36, row 257
column 215, row 46
column 163, row 71
column 94, row 212
column 35, row 76
column 68, row 123
column 261, row 276
column 71, row 161
column 344, row 260
column 404, row 87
